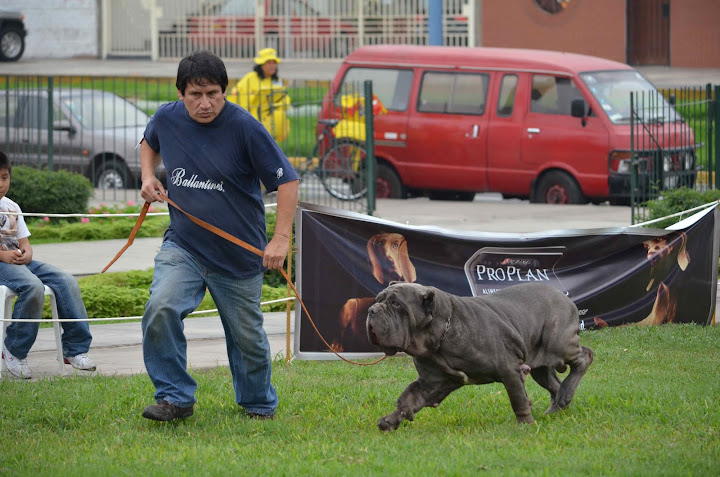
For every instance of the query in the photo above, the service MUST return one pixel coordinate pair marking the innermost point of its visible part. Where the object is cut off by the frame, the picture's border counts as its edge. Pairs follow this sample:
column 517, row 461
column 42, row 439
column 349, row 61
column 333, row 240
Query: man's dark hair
column 201, row 67
column 258, row 69
column 5, row 162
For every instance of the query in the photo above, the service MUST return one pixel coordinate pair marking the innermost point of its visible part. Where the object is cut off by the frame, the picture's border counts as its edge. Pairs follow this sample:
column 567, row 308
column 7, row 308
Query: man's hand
column 275, row 252
column 149, row 162
column 151, row 190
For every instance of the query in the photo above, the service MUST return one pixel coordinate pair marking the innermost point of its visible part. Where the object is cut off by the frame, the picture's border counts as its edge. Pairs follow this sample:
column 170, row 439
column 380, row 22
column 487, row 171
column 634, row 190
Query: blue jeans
column 28, row 282
column 178, row 287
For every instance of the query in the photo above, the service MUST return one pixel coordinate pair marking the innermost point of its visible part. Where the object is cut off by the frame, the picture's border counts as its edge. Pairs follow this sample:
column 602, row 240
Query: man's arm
column 149, row 162
column 277, row 249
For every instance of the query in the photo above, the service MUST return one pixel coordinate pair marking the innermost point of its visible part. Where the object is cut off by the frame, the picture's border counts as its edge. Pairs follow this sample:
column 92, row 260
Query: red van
column 549, row 126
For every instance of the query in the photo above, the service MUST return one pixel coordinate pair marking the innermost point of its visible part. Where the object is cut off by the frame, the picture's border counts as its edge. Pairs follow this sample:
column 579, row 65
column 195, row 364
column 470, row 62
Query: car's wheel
column 12, row 43
column 387, row 183
column 113, row 174
column 558, row 187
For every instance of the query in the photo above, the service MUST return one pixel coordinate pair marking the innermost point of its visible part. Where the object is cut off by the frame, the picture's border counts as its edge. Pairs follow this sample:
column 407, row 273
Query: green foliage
column 678, row 200
column 52, row 192
column 647, row 406
column 125, row 294
column 101, row 228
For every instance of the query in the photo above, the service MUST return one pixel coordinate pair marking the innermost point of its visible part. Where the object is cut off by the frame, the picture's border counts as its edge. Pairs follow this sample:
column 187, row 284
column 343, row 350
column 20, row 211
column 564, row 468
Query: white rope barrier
column 124, row 318
column 65, row 216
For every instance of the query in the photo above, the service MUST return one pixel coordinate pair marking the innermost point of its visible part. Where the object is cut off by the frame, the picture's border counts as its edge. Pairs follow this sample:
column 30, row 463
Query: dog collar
column 447, row 328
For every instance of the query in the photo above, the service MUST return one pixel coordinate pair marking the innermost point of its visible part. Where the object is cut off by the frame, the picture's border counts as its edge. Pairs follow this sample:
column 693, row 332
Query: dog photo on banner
column 615, row 276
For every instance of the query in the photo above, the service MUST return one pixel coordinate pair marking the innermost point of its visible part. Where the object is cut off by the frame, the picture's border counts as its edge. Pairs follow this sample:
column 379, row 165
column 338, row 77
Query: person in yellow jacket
column 264, row 95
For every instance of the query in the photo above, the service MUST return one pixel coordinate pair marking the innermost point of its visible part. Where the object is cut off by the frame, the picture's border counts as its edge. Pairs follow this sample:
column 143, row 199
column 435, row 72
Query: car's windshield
column 100, row 110
column 612, row 90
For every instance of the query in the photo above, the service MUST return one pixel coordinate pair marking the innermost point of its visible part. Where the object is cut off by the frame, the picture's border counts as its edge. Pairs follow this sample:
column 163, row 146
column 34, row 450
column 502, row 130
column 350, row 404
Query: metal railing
column 92, row 125
column 297, row 29
column 674, row 144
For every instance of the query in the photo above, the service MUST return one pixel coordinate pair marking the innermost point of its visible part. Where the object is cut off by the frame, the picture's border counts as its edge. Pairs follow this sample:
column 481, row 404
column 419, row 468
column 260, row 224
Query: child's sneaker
column 80, row 361
column 17, row 367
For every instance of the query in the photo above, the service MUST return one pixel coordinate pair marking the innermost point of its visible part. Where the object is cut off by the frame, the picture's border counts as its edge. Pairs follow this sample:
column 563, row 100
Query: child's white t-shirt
column 12, row 227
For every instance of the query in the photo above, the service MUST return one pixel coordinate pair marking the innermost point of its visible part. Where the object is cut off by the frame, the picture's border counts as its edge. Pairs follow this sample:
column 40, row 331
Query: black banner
column 615, row 276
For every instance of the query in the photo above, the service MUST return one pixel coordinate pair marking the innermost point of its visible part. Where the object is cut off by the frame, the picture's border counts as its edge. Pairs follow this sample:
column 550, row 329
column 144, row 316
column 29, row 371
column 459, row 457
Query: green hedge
column 52, row 192
column 678, row 200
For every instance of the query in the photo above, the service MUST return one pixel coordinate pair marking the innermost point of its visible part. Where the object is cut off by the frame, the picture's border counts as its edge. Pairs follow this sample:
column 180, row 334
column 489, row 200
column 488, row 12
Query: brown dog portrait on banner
column 389, row 261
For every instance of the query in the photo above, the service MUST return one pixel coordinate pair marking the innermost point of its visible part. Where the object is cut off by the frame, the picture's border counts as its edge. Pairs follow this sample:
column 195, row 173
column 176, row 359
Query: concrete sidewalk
column 116, row 348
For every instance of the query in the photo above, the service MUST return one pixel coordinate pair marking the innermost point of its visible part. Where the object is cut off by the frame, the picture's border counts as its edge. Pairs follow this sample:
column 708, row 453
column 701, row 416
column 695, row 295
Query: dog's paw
column 387, row 423
column 525, row 419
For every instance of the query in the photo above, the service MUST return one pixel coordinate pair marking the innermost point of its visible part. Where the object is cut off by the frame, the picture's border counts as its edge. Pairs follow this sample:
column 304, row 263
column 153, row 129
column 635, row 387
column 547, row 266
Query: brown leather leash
column 236, row 241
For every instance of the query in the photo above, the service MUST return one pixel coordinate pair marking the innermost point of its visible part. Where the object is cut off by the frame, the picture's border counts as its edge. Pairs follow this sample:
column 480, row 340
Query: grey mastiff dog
column 528, row 328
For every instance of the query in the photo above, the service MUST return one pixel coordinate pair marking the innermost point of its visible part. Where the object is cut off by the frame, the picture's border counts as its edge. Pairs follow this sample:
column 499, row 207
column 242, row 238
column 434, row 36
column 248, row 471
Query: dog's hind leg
column 546, row 377
column 578, row 366
column 417, row 395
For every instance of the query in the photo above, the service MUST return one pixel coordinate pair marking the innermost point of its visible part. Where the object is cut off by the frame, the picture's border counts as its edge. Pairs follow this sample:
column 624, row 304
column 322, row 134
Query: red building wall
column 695, row 33
column 581, row 27
column 599, row 28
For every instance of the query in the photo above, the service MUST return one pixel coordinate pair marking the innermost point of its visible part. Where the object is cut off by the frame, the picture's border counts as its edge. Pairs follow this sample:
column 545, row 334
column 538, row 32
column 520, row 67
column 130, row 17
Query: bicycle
column 337, row 163
column 340, row 150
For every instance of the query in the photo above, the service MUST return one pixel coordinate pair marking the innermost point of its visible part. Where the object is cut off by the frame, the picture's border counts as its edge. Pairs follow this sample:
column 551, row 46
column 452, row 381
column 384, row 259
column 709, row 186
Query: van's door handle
column 475, row 131
column 533, row 130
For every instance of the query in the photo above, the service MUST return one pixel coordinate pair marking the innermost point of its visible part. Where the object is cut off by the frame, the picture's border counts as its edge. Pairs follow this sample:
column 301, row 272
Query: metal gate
column 298, row 29
column 674, row 143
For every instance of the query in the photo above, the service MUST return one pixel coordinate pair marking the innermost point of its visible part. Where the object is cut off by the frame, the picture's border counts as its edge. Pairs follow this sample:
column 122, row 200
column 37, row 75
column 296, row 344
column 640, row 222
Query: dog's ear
column 406, row 266
column 394, row 282
column 377, row 270
column 427, row 297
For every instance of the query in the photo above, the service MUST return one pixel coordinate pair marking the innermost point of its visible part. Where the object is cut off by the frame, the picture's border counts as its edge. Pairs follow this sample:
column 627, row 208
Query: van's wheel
column 387, row 183
column 558, row 187
column 112, row 174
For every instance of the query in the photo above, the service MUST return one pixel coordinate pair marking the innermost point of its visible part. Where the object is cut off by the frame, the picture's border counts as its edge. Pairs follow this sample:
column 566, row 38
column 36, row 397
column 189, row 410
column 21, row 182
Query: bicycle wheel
column 342, row 170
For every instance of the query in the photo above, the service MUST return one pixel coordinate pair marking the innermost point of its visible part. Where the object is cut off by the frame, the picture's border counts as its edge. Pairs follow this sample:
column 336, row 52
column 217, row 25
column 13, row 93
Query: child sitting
column 27, row 278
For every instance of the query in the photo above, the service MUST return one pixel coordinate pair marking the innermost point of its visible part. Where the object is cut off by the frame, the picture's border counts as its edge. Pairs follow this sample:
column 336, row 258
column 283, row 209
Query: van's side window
column 552, row 94
column 391, row 86
column 459, row 93
column 506, row 97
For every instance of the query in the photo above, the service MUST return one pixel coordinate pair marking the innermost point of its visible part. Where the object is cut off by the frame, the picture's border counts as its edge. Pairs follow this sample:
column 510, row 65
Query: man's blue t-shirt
column 214, row 173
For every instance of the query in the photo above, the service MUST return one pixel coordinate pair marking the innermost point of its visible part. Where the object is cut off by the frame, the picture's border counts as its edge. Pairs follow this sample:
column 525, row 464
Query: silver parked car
column 93, row 132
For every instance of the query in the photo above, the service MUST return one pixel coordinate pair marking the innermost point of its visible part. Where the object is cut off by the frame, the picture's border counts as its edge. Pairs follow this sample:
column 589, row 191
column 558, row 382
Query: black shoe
column 165, row 411
column 254, row 415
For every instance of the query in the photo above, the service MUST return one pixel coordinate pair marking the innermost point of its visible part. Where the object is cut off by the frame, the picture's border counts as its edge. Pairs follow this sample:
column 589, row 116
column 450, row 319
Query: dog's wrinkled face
column 400, row 311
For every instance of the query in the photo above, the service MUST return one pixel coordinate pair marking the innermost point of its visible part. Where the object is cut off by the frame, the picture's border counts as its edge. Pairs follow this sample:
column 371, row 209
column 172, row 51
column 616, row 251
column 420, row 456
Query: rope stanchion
column 221, row 233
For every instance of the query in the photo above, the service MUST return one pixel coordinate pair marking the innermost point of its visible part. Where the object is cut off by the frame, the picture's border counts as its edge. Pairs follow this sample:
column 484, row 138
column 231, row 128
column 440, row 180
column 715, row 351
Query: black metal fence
column 674, row 143
column 91, row 125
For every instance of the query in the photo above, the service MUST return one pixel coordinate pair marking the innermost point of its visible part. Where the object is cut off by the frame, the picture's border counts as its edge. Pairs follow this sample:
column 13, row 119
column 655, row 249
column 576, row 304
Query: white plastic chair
column 7, row 296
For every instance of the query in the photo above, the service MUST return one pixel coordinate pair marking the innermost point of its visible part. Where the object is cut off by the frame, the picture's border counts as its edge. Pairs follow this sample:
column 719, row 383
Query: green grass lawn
column 647, row 406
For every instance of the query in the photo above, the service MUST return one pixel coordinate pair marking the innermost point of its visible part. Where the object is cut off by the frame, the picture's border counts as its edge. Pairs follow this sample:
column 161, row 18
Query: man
column 216, row 154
